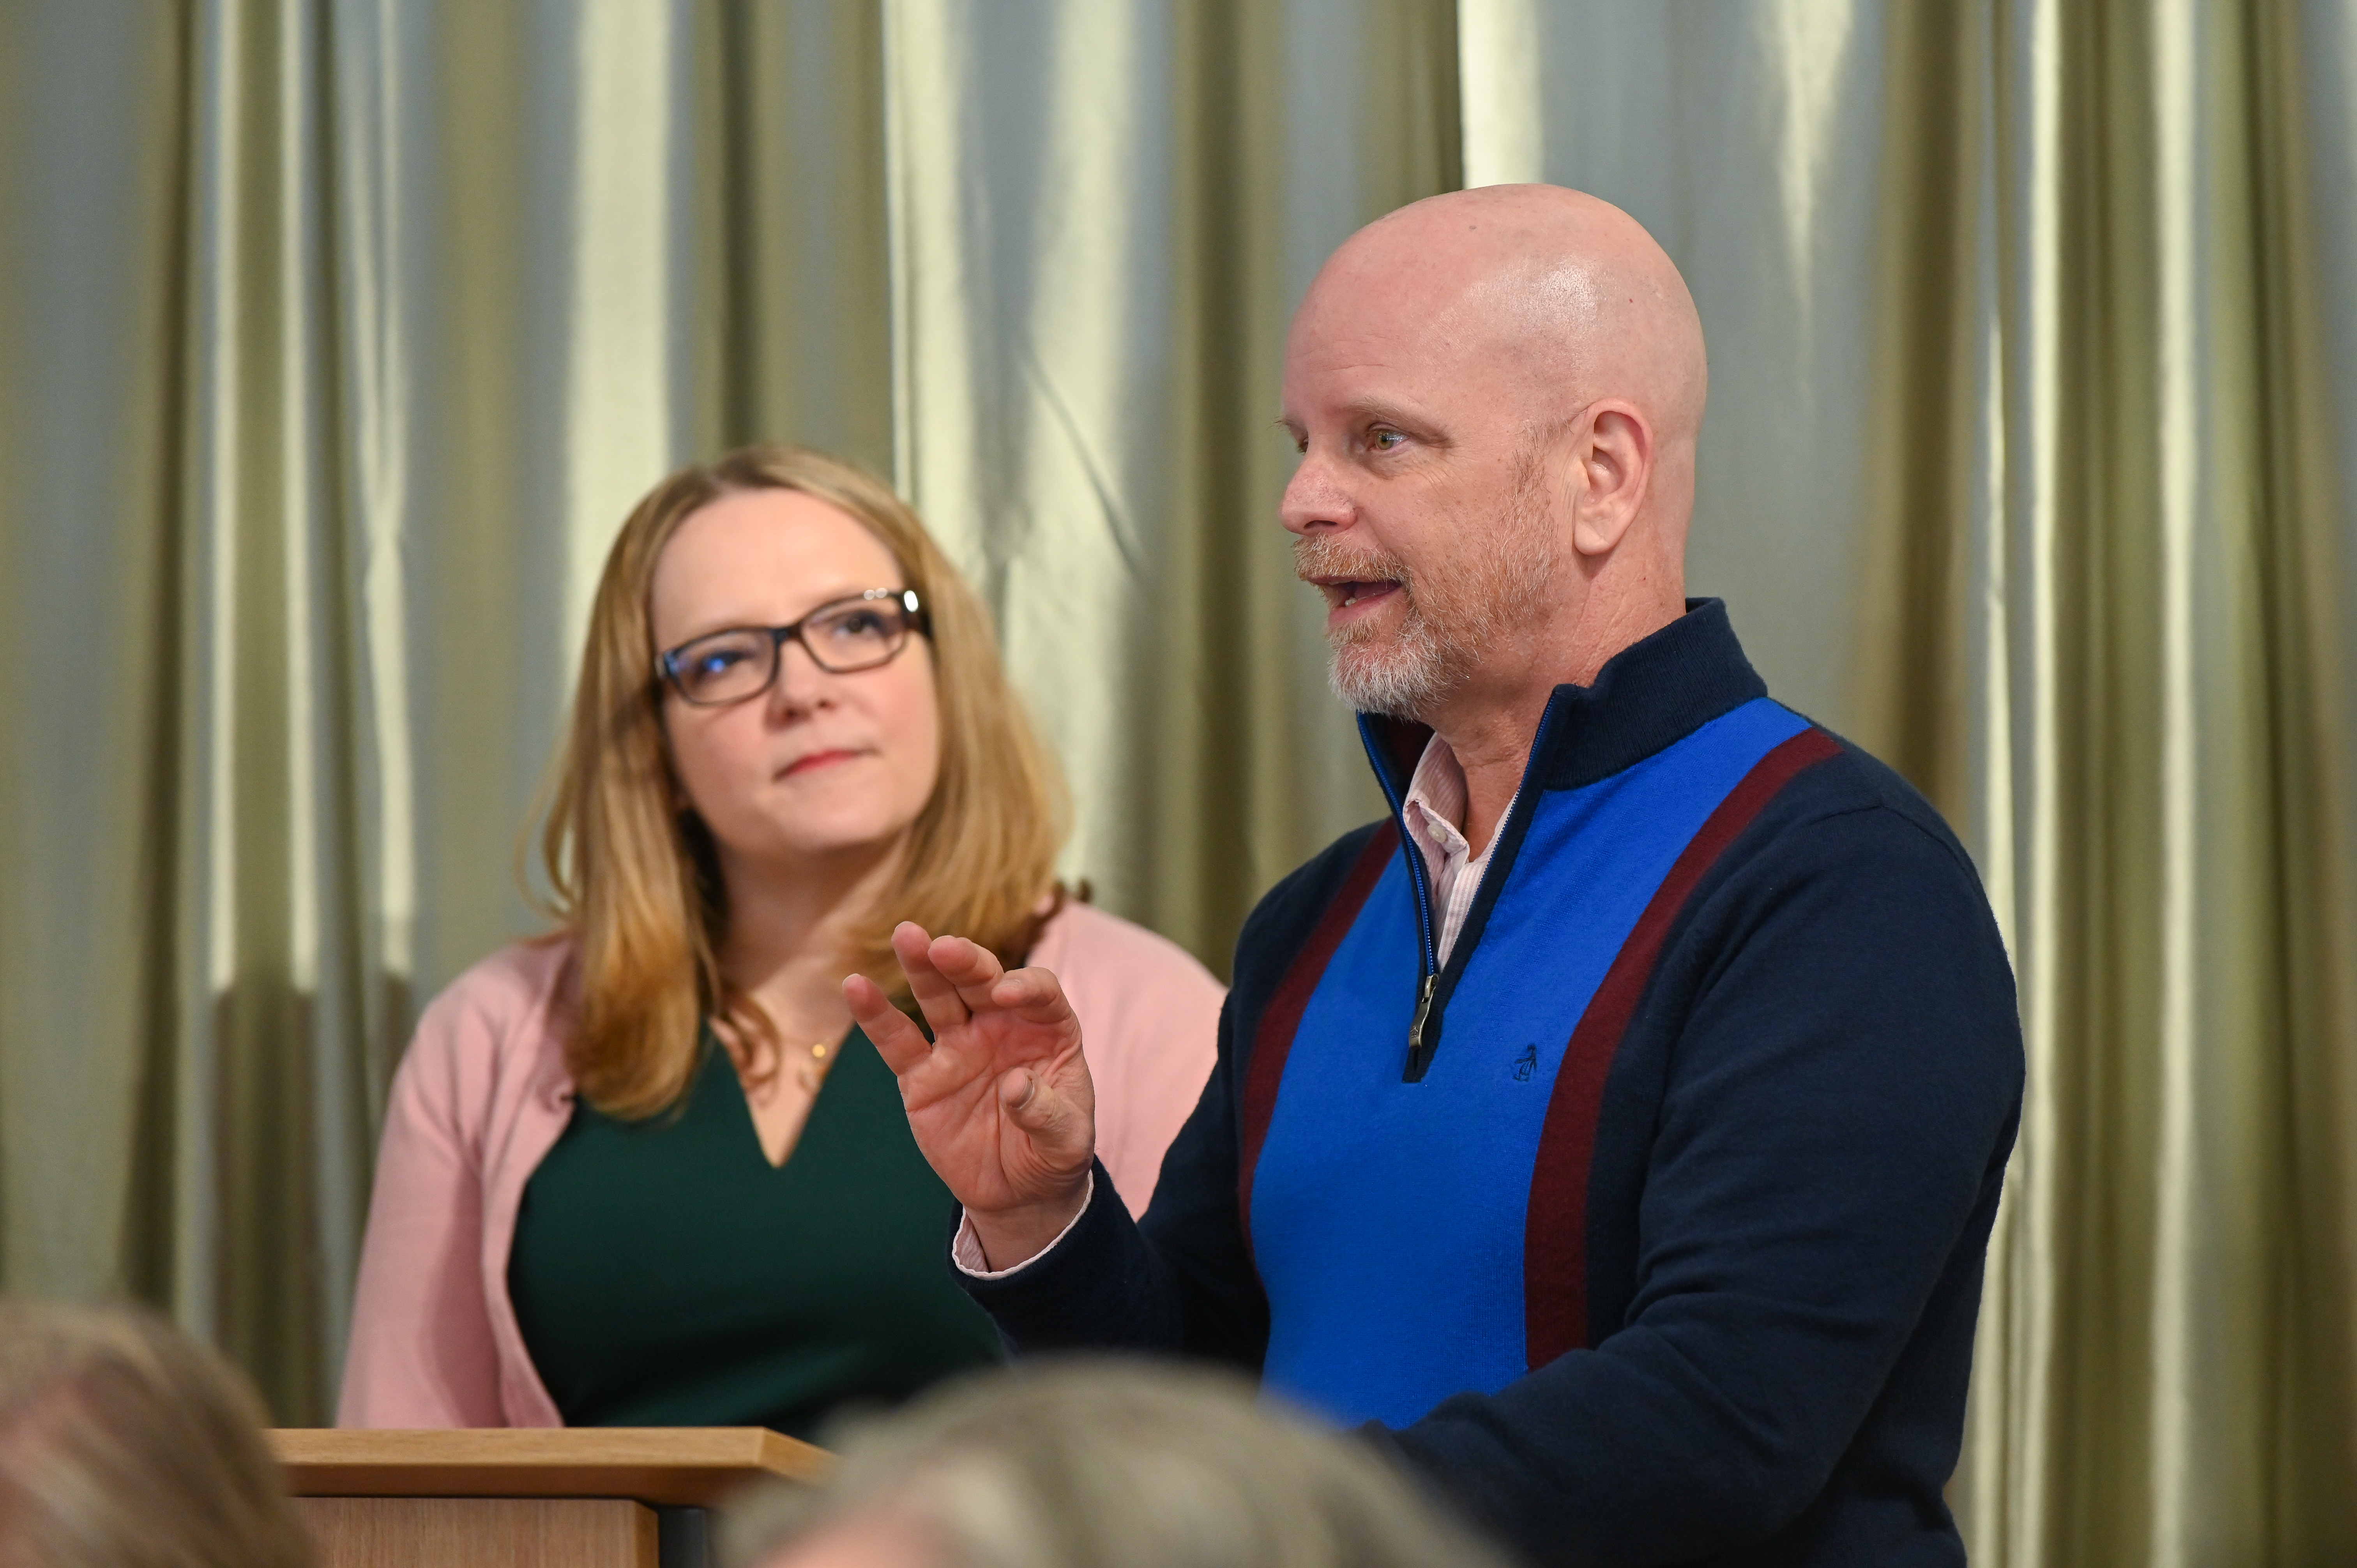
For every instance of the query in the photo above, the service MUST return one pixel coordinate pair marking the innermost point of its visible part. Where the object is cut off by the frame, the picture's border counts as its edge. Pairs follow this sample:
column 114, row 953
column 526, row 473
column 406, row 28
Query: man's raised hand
column 999, row 1099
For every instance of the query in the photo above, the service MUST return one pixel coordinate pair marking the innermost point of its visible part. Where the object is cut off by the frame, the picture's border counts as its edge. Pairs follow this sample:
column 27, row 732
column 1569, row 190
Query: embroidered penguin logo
column 1527, row 1064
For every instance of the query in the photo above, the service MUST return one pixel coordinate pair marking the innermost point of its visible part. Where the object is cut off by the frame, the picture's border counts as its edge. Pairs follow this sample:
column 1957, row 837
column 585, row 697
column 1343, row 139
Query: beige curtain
column 338, row 337
column 1103, row 216
column 2031, row 414
column 335, row 335
column 339, row 334
column 2167, row 769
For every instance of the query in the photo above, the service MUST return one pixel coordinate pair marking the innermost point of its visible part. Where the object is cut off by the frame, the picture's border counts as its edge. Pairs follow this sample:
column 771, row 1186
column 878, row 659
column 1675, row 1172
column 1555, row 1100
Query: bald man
column 1615, row 1129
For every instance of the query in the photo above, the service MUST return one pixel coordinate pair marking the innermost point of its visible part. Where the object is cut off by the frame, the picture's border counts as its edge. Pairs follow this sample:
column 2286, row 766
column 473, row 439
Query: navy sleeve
column 1838, row 1094
column 1180, row 1280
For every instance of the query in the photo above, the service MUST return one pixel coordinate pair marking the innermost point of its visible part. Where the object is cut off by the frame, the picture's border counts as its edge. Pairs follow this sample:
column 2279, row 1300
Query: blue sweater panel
column 1390, row 1233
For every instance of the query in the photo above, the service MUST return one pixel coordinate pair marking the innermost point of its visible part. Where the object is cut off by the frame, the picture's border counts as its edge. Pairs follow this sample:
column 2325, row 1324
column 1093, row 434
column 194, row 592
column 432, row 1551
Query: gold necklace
column 813, row 1072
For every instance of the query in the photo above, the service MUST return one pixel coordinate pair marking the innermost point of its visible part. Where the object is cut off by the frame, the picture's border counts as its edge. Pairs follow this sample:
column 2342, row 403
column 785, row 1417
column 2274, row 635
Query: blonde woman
column 646, row 1171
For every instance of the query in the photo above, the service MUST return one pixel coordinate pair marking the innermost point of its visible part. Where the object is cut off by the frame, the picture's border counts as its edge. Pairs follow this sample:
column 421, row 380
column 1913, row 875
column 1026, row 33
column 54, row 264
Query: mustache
column 1323, row 556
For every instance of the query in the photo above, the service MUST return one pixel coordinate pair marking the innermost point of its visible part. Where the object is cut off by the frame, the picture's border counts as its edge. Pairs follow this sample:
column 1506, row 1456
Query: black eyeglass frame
column 667, row 663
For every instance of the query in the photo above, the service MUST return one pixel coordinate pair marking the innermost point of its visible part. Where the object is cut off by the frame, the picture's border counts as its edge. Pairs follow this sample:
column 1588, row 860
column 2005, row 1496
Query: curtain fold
column 343, row 335
column 2175, row 1275
column 92, row 308
column 1102, row 216
column 2147, row 535
column 1746, row 137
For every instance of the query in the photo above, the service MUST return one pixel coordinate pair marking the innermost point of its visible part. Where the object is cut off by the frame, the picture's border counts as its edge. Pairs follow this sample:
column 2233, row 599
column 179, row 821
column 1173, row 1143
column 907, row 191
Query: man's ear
column 1613, row 450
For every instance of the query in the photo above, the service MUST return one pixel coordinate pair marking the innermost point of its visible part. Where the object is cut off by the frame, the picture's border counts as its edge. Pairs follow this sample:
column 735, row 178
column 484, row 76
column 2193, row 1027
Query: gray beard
column 1405, row 680
column 1455, row 612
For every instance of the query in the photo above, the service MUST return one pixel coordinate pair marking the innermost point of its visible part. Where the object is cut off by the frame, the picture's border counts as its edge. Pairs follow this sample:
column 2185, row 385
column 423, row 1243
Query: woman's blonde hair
column 637, row 883
column 126, row 1445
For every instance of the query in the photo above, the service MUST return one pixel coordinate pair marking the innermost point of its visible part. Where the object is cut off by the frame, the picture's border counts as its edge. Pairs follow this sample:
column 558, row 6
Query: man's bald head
column 1562, row 286
column 1496, row 394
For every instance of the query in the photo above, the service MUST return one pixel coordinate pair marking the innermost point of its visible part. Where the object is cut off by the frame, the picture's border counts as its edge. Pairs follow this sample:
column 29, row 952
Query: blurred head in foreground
column 1102, row 1465
column 124, row 1444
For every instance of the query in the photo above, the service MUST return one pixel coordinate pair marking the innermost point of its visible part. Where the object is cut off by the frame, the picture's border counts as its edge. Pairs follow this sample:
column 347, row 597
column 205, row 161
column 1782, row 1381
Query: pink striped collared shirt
column 1435, row 814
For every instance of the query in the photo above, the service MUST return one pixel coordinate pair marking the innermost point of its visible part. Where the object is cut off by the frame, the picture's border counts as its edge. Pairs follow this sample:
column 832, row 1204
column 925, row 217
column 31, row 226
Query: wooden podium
column 591, row 1497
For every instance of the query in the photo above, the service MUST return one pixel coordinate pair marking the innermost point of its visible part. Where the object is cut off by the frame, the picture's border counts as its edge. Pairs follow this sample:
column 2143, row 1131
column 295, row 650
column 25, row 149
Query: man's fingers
column 1019, row 1090
column 1034, row 995
column 1032, row 1103
column 936, row 994
column 900, row 1043
column 968, row 965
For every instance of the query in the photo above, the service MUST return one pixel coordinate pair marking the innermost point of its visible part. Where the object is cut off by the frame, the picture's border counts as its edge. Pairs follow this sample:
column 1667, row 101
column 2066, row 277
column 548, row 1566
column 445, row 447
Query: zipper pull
column 1415, row 1027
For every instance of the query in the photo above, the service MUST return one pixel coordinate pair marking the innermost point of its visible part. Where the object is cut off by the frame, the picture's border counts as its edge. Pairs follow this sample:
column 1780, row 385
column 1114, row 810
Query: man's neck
column 1494, row 747
column 1491, row 731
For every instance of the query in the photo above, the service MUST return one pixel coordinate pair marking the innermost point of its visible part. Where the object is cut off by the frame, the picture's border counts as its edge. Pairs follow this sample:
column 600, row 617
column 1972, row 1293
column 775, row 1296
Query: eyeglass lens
column 730, row 666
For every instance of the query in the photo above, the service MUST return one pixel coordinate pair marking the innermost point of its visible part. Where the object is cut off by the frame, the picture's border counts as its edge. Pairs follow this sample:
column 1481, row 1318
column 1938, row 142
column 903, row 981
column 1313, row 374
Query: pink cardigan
column 482, row 1095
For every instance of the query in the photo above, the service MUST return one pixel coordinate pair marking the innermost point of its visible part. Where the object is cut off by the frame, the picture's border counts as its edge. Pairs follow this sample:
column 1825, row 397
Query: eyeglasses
column 842, row 637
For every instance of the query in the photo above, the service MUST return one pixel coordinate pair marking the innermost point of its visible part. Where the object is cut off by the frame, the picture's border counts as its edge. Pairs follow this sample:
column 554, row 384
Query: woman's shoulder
column 1101, row 955
column 521, row 978
column 1084, row 936
column 505, row 1006
column 1150, row 1015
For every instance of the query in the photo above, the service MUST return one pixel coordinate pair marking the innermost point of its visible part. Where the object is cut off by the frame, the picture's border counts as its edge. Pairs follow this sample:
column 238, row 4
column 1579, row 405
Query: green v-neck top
column 664, row 1273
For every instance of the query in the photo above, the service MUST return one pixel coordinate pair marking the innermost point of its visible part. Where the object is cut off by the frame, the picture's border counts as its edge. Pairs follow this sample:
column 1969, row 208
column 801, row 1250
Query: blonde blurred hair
column 1102, row 1463
column 637, row 884
column 126, row 1445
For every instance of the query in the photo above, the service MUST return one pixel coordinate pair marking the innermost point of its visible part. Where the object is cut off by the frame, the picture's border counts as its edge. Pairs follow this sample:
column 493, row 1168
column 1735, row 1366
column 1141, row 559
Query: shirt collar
column 1440, row 793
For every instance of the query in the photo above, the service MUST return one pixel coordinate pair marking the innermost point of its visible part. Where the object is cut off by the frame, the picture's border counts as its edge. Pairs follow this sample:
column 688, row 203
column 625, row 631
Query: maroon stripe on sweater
column 1554, row 1233
column 1273, row 1039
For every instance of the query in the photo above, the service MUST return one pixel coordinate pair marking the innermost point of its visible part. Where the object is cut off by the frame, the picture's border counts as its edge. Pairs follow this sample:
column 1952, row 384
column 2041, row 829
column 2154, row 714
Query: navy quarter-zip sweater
column 1650, row 1227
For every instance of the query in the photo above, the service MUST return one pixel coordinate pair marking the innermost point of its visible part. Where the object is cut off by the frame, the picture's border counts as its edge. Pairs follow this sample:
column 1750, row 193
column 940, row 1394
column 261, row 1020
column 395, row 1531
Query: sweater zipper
column 1420, row 888
column 1423, row 1027
column 1417, row 1059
